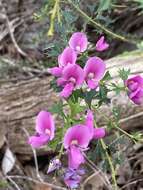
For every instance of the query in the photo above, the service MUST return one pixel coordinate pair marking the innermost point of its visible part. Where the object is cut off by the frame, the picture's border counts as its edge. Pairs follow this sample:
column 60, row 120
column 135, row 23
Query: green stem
column 55, row 12
column 124, row 132
column 113, row 173
column 61, row 151
column 122, row 38
column 119, row 129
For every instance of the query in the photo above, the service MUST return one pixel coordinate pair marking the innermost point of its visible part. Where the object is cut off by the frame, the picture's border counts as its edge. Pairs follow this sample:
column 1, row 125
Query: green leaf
column 116, row 112
column 117, row 88
column 58, row 138
column 103, row 5
column 53, row 85
column 57, row 108
column 107, row 76
column 75, row 108
column 102, row 95
column 89, row 96
column 124, row 74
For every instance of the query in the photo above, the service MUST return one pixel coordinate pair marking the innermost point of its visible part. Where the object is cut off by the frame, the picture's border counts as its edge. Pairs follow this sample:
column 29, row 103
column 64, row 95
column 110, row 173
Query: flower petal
column 101, row 44
column 54, row 165
column 74, row 71
column 138, row 98
column 56, row 71
column 99, row 133
column 67, row 91
column 68, row 56
column 45, row 123
column 78, row 42
column 37, row 141
column 61, row 82
column 90, row 122
column 92, row 84
column 96, row 66
column 75, row 157
column 79, row 133
column 134, row 82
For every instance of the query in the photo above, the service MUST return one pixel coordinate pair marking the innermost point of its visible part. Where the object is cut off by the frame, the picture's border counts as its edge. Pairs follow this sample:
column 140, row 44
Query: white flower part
column 91, row 75
column 77, row 48
column 74, row 142
column 47, row 131
column 72, row 79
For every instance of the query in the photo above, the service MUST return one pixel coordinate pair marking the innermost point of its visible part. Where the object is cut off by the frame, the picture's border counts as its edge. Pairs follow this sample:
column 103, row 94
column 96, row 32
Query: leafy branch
column 100, row 26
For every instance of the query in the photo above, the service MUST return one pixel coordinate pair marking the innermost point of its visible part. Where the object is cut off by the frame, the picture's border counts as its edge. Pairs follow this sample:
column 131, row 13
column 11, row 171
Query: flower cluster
column 76, row 141
column 71, row 76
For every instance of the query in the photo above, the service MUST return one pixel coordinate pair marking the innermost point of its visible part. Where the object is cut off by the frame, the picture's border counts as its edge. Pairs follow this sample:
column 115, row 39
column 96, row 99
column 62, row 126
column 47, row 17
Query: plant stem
column 113, row 174
column 110, row 163
column 61, row 152
column 122, row 38
column 55, row 11
column 124, row 132
column 119, row 129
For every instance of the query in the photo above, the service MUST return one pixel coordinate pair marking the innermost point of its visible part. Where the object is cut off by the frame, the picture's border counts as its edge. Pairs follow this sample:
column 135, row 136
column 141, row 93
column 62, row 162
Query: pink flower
column 101, row 44
column 76, row 139
column 78, row 42
column 94, row 71
column 95, row 133
column 68, row 56
column 135, row 89
column 72, row 77
column 45, row 129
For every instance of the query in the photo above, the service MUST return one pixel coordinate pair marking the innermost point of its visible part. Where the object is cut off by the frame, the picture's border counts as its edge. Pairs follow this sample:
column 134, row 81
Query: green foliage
column 107, row 76
column 140, row 3
column 89, row 96
column 54, row 86
column 75, row 108
column 57, row 108
column 116, row 113
column 57, row 141
column 103, row 6
column 140, row 45
column 102, row 95
column 124, row 74
column 3, row 184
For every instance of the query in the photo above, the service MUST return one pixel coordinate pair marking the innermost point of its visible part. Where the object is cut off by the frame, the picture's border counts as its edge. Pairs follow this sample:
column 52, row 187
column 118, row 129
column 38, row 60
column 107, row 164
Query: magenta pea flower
column 68, row 56
column 72, row 178
column 76, row 140
column 101, row 44
column 72, row 77
column 45, row 129
column 78, row 42
column 135, row 89
column 55, row 71
column 94, row 71
column 95, row 133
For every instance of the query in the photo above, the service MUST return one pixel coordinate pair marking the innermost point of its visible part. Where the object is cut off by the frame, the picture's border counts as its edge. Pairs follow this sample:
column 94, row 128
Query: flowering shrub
column 83, row 87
